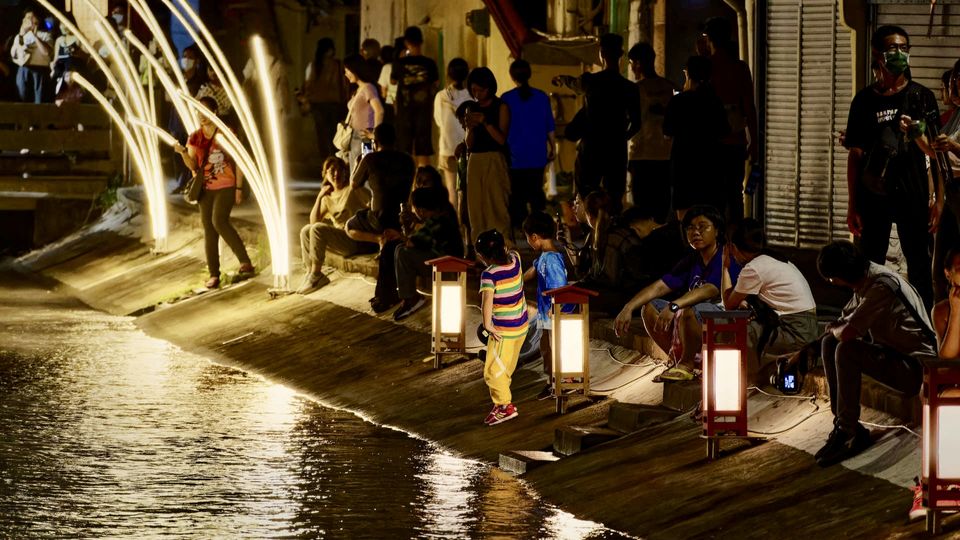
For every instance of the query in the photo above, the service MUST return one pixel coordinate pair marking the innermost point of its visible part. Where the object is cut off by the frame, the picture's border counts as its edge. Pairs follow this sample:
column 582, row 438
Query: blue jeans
column 33, row 84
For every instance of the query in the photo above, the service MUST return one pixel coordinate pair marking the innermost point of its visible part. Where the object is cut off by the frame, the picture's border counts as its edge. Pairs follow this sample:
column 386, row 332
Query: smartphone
column 366, row 147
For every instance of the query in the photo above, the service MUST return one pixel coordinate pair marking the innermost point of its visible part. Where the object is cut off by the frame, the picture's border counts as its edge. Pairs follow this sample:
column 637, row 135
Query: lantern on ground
column 449, row 303
column 570, row 342
column 940, row 477
column 724, row 377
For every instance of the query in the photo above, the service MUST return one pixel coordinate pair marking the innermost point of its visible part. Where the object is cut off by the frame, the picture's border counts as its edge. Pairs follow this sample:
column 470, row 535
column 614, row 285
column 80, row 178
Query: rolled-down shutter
column 808, row 93
column 929, row 56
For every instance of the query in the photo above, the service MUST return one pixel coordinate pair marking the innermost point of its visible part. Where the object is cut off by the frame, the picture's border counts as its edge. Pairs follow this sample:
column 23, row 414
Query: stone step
column 570, row 440
column 518, row 462
column 636, row 338
column 630, row 417
column 681, row 396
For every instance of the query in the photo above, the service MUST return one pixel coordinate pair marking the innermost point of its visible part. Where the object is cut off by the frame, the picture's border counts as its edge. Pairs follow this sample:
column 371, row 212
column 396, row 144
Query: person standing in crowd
column 676, row 326
column 416, row 77
column 33, row 51
column 437, row 235
column 214, row 88
column 195, row 73
column 222, row 188
column 504, row 311
column 335, row 204
column 785, row 318
column 445, row 106
column 946, row 80
column 388, row 174
column 611, row 118
column 531, row 143
column 388, row 88
column 886, row 172
column 370, row 49
column 731, row 80
column 364, row 110
column 550, row 271
column 67, row 54
column 883, row 332
column 488, row 125
column 696, row 122
column 649, row 149
column 947, row 234
column 325, row 89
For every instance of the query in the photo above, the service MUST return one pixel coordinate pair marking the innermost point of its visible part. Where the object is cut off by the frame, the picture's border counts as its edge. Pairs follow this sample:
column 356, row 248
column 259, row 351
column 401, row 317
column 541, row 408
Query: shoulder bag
column 344, row 135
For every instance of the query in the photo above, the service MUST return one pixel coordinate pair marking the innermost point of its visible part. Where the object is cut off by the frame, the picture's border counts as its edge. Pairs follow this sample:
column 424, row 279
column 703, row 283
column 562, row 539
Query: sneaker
column 409, row 307
column 491, row 415
column 546, row 393
column 917, row 511
column 844, row 446
column 245, row 271
column 312, row 282
column 213, row 283
column 503, row 413
column 381, row 306
column 836, row 438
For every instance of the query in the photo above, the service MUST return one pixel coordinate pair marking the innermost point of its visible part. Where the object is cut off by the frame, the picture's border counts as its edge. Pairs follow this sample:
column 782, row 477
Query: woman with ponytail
column 531, row 142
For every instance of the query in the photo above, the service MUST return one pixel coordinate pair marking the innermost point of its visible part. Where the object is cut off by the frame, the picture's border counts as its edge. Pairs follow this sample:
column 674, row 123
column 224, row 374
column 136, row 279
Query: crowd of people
column 678, row 246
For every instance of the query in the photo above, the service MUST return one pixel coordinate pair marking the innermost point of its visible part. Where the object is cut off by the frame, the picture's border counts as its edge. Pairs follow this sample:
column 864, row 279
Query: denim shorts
column 660, row 304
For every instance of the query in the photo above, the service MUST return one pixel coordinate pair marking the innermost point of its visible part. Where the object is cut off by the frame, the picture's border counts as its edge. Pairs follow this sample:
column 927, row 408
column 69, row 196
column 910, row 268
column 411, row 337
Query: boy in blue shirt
column 551, row 273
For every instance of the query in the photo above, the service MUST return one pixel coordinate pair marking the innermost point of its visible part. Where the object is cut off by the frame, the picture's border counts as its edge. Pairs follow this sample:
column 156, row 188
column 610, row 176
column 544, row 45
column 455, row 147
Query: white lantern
column 724, row 376
column 570, row 342
column 449, row 301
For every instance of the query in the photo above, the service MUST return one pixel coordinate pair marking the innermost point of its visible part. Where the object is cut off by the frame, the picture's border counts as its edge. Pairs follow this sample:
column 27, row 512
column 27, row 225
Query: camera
column 788, row 379
column 366, row 147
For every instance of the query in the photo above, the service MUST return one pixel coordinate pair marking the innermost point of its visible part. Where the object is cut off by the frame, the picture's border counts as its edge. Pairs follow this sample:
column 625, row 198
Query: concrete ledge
column 630, row 417
column 636, row 339
column 519, row 462
column 570, row 440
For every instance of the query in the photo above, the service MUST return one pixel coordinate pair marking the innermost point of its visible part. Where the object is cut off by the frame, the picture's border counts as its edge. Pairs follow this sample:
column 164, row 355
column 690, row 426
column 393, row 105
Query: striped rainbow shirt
column 509, row 305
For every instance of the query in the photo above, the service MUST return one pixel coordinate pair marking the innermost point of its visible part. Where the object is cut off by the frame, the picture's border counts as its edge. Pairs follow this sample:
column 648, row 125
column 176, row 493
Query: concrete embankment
column 651, row 482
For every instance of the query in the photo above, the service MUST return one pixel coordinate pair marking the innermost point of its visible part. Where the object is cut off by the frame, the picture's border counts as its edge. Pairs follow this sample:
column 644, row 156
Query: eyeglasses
column 893, row 47
column 702, row 228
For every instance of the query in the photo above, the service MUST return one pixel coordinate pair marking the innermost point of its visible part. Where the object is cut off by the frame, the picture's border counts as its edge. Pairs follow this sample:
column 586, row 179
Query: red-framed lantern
column 724, row 377
column 570, row 341
column 940, row 477
column 449, row 306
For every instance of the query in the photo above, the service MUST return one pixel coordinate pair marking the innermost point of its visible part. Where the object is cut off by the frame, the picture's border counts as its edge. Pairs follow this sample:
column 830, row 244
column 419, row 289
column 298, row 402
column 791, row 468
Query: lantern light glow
column 948, row 441
column 451, row 310
column 726, row 379
column 572, row 353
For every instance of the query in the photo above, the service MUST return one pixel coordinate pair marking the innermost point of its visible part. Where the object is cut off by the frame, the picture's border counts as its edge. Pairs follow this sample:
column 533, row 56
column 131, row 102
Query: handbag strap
column 206, row 150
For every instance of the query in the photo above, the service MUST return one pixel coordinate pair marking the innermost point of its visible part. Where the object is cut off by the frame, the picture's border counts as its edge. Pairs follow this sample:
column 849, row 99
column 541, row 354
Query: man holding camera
column 886, row 169
column 884, row 332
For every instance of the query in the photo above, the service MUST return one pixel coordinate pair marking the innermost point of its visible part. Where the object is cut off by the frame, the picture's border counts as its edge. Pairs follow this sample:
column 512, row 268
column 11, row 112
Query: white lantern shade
column 726, row 379
column 572, row 354
column 926, row 440
column 451, row 308
column 948, row 441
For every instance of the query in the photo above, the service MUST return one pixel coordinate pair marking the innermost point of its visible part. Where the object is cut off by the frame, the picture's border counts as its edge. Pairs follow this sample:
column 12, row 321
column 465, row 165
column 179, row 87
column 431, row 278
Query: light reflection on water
column 106, row 432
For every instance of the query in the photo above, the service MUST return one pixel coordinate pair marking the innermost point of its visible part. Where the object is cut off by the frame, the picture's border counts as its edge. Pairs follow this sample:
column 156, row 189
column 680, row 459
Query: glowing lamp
column 940, row 477
column 449, row 303
column 570, row 341
column 724, row 377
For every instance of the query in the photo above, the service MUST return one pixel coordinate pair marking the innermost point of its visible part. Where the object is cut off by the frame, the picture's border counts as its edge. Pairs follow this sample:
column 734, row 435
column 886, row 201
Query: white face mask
column 187, row 63
column 104, row 52
column 117, row 17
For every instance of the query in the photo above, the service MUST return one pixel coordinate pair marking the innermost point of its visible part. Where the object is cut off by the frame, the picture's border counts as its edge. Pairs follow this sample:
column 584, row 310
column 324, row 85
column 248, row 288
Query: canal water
column 106, row 432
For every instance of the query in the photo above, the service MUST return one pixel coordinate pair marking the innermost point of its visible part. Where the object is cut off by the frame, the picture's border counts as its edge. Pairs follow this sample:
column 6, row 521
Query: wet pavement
column 107, row 432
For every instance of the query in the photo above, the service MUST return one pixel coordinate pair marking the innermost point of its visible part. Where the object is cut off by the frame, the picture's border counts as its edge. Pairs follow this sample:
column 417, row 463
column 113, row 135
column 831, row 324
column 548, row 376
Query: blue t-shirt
column 530, row 122
column 551, row 274
column 690, row 273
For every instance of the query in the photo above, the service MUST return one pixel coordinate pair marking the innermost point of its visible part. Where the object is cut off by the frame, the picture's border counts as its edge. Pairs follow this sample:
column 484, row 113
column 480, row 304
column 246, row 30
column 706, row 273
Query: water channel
column 106, row 432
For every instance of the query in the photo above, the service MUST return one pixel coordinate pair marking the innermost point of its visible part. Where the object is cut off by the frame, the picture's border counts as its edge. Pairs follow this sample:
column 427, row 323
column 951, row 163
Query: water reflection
column 107, row 432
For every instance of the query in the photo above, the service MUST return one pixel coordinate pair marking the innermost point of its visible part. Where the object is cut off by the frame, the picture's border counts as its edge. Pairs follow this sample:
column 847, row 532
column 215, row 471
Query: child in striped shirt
column 504, row 318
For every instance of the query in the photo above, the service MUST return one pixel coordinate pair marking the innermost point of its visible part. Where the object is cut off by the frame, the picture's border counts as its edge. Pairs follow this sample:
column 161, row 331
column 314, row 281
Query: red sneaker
column 917, row 511
column 493, row 413
column 503, row 413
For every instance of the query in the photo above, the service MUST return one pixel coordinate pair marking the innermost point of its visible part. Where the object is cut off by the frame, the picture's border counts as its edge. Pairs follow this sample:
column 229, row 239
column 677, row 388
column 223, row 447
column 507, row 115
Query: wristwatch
column 673, row 307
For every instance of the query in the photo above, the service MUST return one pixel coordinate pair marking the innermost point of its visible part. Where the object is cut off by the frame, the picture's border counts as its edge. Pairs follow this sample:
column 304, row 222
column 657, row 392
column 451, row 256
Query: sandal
column 213, row 283
column 676, row 373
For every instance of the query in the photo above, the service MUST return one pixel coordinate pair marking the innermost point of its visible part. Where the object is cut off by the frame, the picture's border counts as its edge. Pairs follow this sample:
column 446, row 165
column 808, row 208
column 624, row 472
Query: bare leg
column 649, row 315
column 691, row 337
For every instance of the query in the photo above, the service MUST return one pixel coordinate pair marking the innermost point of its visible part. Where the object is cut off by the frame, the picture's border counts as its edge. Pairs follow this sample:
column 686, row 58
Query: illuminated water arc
column 186, row 114
column 218, row 62
column 164, row 137
column 282, row 263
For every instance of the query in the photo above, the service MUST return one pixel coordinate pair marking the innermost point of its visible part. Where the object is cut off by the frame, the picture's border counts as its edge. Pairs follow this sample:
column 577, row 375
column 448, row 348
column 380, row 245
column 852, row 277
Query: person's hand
column 366, row 133
column 389, row 235
column 551, row 152
column 327, row 189
column 726, row 256
column 621, row 325
column 842, row 138
column 664, row 320
column 238, row 197
column 179, row 148
column 905, row 122
column 936, row 210
column 854, row 222
column 27, row 25
column 459, row 150
column 474, row 119
column 494, row 335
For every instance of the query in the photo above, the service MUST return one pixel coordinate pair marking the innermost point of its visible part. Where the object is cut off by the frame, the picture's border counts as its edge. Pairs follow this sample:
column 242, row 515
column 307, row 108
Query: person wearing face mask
column 32, row 50
column 194, row 71
column 886, row 168
column 118, row 16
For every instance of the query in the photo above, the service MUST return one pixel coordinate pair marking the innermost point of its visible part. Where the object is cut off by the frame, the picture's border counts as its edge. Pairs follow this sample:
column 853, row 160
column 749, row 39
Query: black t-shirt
column 388, row 174
column 482, row 141
column 873, row 126
column 415, row 76
column 613, row 112
column 697, row 122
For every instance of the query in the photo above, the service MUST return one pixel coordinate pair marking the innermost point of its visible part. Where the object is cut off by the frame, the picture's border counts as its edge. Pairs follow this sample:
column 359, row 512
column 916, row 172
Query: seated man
column 661, row 245
column 436, row 236
column 883, row 332
column 335, row 204
column 675, row 326
column 388, row 174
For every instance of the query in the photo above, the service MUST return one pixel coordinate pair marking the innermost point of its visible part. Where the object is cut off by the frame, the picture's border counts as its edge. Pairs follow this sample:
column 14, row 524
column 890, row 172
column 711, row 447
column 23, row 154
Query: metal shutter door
column 807, row 98
column 929, row 57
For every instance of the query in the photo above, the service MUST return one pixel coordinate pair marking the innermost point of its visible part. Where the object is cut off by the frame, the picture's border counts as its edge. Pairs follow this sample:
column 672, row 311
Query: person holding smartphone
column 32, row 50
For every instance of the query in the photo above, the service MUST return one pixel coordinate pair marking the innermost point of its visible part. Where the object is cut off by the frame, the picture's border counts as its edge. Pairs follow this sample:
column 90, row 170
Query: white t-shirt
column 780, row 285
column 384, row 82
column 445, row 115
